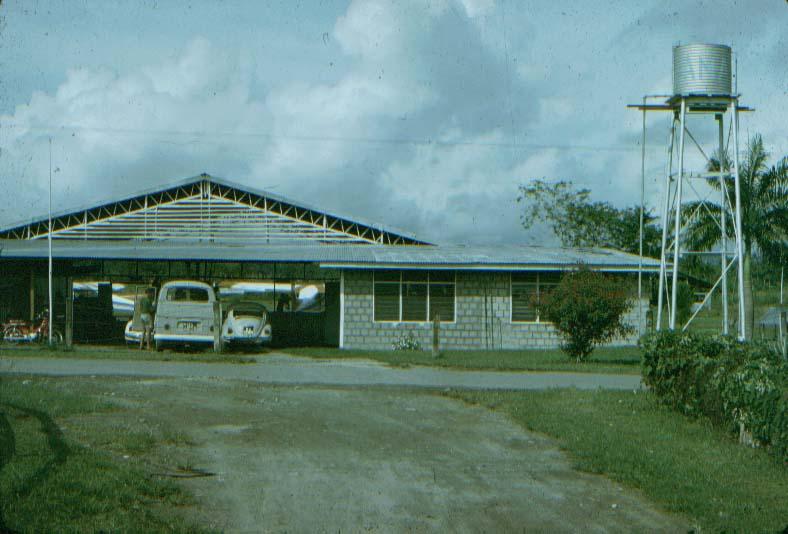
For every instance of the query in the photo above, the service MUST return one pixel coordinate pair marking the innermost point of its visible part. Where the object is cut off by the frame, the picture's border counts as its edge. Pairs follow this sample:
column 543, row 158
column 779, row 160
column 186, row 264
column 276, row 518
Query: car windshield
column 187, row 294
column 248, row 309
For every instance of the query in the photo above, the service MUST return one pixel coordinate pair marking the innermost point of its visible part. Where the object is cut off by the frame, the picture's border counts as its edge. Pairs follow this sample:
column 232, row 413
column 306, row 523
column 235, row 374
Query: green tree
column 587, row 308
column 580, row 222
column 764, row 213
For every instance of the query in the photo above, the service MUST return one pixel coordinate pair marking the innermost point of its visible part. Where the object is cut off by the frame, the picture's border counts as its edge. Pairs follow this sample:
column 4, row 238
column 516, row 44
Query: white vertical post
column 677, row 225
column 665, row 211
column 739, row 235
column 724, row 240
column 642, row 208
column 202, row 205
column 209, row 197
column 49, row 244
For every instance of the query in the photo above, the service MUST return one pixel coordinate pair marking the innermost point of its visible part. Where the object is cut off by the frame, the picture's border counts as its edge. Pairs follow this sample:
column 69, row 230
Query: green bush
column 685, row 297
column 587, row 308
column 741, row 386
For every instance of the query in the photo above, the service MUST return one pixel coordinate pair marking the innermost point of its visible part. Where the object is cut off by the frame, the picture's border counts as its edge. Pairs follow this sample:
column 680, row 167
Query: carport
column 93, row 280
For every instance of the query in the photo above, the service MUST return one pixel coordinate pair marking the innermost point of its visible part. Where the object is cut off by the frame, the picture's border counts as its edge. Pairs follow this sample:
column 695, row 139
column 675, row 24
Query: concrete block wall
column 482, row 318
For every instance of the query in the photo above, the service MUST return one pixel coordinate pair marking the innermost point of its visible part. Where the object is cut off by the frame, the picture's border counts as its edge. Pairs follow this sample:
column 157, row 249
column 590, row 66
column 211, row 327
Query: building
column 327, row 279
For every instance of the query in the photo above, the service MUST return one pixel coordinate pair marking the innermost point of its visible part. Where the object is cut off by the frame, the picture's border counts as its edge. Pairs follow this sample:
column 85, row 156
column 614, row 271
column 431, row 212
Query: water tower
column 702, row 89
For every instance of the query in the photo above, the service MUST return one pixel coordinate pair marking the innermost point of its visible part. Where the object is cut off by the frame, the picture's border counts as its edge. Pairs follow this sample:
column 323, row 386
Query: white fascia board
column 485, row 267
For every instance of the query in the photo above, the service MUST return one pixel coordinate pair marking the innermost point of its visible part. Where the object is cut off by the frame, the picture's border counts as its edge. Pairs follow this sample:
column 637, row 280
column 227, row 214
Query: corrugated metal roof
column 511, row 257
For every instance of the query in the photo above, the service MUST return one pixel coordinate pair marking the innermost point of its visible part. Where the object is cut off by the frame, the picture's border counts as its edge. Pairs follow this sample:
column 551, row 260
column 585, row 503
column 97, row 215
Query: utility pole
column 49, row 243
column 641, row 331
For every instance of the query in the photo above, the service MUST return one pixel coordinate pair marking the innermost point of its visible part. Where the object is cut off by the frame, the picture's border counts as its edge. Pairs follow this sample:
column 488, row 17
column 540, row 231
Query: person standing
column 147, row 310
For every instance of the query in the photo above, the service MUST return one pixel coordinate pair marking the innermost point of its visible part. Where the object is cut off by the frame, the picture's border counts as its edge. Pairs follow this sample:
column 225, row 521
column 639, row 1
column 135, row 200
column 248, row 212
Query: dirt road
column 313, row 459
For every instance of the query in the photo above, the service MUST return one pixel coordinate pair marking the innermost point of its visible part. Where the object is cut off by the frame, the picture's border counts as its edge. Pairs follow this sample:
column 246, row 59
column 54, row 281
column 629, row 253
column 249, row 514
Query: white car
column 187, row 313
column 131, row 334
column 246, row 324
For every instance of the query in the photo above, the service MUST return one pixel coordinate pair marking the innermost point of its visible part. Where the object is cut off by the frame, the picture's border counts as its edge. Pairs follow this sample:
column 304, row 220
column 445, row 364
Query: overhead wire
column 205, row 136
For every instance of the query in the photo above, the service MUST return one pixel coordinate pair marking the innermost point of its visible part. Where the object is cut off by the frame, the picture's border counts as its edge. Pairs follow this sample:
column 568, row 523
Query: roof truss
column 207, row 209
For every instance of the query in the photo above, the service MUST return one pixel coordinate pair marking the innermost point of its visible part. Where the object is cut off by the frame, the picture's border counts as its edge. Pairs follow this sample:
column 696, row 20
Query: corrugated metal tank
column 701, row 69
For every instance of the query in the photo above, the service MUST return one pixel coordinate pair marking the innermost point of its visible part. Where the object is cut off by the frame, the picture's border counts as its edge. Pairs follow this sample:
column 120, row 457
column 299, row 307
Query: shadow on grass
column 616, row 361
column 55, row 441
column 7, row 451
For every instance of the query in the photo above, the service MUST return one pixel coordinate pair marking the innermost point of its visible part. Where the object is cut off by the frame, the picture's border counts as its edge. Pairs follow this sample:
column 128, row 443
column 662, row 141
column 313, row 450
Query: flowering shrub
column 406, row 341
column 587, row 308
column 742, row 386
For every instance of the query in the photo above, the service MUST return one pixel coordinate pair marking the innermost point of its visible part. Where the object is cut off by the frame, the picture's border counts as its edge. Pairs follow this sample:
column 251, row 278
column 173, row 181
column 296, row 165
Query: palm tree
column 764, row 213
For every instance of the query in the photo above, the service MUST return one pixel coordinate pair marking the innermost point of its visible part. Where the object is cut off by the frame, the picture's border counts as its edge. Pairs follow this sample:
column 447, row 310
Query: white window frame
column 428, row 282
column 454, row 306
column 511, row 301
column 399, row 296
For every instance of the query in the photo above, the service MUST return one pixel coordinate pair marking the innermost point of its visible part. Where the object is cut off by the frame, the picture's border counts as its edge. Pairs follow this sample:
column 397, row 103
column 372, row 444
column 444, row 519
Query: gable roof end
column 211, row 208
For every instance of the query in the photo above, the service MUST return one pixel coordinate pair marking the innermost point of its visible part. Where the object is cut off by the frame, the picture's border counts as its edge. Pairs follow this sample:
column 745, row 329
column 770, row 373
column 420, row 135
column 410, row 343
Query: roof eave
column 483, row 266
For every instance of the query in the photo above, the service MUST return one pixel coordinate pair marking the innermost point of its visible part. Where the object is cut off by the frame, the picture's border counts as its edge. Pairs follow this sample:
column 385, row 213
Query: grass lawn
column 622, row 360
column 59, row 472
column 709, row 321
column 688, row 467
column 109, row 352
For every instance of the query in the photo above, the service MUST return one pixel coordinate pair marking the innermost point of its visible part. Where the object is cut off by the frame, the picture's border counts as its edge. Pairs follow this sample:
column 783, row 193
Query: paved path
column 289, row 370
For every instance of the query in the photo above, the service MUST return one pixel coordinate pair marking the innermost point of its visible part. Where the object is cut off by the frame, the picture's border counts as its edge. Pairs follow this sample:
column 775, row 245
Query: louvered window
column 442, row 295
column 387, row 295
column 414, row 296
column 528, row 290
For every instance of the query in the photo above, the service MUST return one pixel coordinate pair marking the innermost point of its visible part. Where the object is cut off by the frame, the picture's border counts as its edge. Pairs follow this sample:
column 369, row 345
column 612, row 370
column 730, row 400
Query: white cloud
column 461, row 189
column 477, row 8
column 544, row 164
column 355, row 109
column 355, row 137
column 435, row 172
column 115, row 133
column 370, row 30
column 553, row 110
column 379, row 30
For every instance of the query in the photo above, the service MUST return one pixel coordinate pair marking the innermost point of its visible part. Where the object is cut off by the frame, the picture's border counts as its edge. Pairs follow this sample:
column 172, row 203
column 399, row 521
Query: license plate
column 248, row 330
column 188, row 326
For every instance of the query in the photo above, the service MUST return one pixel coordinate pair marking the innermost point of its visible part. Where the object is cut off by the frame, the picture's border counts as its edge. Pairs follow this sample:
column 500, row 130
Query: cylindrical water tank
column 701, row 69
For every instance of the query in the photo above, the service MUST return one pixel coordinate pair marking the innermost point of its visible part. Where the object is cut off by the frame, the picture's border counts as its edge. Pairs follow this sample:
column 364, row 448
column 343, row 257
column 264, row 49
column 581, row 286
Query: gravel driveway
column 316, row 459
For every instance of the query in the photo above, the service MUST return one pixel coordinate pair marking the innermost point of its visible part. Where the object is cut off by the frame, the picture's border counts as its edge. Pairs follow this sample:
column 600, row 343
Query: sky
column 423, row 116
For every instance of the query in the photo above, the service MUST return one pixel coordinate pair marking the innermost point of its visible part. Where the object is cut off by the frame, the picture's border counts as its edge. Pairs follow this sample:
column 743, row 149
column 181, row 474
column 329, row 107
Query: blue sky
column 424, row 116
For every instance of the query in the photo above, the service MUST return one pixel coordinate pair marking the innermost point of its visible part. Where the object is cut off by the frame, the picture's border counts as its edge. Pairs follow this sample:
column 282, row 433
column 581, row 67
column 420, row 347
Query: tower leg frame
column 737, row 216
column 677, row 219
column 672, row 214
column 665, row 210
